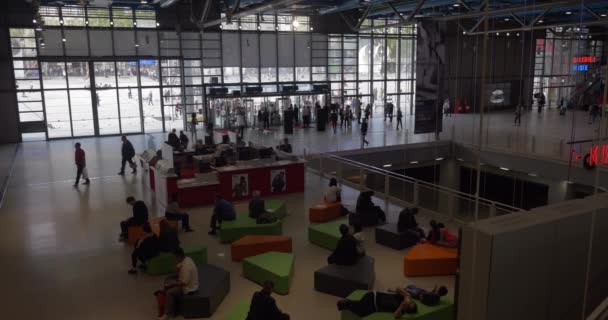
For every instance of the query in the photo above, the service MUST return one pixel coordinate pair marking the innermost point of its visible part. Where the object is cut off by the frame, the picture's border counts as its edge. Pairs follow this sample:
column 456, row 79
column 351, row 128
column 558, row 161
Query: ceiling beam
column 231, row 12
column 516, row 18
column 592, row 13
column 363, row 17
column 465, row 5
column 408, row 20
column 494, row 12
column 270, row 6
column 540, row 16
column 482, row 19
column 541, row 27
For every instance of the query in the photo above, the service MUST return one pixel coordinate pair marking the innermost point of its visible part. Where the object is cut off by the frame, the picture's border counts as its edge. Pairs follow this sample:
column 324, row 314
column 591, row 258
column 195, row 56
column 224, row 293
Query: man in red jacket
column 81, row 164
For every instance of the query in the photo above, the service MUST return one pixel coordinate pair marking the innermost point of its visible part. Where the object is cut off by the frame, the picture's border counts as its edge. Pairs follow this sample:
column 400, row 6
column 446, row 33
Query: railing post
column 451, row 205
column 533, row 144
column 339, row 175
column 416, row 193
column 386, row 191
column 321, row 166
column 493, row 210
column 361, row 184
column 561, row 148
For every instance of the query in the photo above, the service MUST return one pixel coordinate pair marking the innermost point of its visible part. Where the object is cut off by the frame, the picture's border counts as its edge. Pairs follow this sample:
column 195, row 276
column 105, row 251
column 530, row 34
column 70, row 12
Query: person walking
column 341, row 115
column 81, row 165
column 306, row 116
column 364, row 132
column 357, row 107
column 517, row 120
column 399, row 119
column 349, row 116
column 193, row 123
column 296, row 115
column 334, row 120
column 127, row 152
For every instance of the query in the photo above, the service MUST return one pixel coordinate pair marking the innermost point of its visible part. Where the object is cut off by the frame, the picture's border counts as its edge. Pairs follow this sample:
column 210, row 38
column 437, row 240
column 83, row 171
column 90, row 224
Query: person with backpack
column 128, row 152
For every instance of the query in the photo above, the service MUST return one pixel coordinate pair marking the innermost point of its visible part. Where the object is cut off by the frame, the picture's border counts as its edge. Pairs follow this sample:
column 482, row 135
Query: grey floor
column 60, row 256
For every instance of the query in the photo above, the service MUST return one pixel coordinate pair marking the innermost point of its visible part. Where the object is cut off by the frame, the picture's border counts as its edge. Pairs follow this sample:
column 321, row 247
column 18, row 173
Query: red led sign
column 597, row 156
column 586, row 59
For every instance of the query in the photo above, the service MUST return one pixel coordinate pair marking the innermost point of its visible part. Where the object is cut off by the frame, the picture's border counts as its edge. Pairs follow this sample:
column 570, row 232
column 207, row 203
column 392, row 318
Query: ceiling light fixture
column 158, row 24
column 295, row 23
column 540, row 21
column 456, row 5
column 86, row 22
column 311, row 28
column 388, row 165
column 507, row 19
column 134, row 23
column 137, row 45
column 460, row 159
column 568, row 12
column 497, row 33
column 603, row 15
column 63, row 39
column 111, row 23
column 34, row 21
column 413, row 162
column 533, row 174
column 38, row 28
column 438, row 159
column 61, row 21
column 504, row 169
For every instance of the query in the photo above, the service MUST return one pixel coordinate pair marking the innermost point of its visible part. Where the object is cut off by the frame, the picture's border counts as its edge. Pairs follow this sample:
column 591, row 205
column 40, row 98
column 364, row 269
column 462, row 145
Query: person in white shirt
column 333, row 193
column 187, row 283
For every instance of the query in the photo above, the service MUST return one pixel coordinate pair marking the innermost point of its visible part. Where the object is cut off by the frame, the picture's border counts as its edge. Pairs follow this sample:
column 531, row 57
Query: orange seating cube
column 426, row 259
column 254, row 245
column 135, row 233
column 325, row 211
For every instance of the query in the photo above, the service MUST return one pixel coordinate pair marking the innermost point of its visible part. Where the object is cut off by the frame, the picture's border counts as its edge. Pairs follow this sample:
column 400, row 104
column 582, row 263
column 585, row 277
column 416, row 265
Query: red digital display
column 586, row 59
column 598, row 155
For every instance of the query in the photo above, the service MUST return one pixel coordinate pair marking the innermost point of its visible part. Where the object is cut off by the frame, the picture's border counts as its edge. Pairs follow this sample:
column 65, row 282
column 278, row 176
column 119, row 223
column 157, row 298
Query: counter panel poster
column 278, row 181
column 431, row 80
column 240, row 186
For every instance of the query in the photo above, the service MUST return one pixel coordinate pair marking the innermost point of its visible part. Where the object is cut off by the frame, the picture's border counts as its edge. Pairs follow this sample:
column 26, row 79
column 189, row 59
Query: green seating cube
column 243, row 225
column 165, row 262
column 326, row 235
column 239, row 312
column 277, row 267
column 277, row 207
column 443, row 311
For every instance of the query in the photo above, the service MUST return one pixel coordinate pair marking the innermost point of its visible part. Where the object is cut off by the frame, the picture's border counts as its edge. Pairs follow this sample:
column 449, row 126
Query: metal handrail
column 417, row 181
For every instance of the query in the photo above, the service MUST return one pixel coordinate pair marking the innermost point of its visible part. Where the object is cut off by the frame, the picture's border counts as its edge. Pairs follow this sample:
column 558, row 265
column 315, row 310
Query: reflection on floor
column 61, row 258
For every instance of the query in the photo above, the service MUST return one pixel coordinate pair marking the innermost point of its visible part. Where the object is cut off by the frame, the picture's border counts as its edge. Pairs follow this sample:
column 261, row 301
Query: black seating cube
column 214, row 284
column 388, row 235
column 365, row 219
column 343, row 280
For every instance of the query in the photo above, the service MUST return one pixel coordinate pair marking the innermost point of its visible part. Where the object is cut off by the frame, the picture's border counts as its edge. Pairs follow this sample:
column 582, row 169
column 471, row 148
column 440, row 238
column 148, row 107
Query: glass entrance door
column 105, row 98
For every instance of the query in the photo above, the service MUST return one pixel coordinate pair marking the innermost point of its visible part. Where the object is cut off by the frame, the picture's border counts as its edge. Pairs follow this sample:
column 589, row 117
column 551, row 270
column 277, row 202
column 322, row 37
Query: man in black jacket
column 264, row 307
column 127, row 152
column 139, row 217
column 345, row 253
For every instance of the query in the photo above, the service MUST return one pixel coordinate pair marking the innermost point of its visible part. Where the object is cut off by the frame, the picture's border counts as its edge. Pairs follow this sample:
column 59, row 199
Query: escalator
column 589, row 91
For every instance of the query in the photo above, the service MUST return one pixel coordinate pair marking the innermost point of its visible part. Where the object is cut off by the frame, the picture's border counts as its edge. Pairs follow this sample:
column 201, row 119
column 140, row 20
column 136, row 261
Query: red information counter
column 234, row 182
column 278, row 177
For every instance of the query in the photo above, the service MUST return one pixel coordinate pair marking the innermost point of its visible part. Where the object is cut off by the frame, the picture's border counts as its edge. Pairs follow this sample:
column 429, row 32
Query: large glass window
column 122, row 17
column 268, row 74
column 286, row 75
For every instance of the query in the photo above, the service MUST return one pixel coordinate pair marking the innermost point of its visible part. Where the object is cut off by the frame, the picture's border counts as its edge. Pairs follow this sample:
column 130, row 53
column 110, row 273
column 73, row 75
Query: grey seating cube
column 343, row 280
column 388, row 235
column 214, row 284
column 366, row 219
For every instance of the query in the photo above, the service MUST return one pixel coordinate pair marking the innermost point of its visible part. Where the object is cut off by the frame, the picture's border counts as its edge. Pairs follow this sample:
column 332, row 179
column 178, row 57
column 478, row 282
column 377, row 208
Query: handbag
column 85, row 173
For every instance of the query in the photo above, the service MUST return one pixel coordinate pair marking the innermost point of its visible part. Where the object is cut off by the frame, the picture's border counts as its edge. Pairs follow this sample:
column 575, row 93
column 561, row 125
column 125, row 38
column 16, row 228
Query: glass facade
column 99, row 71
column 556, row 71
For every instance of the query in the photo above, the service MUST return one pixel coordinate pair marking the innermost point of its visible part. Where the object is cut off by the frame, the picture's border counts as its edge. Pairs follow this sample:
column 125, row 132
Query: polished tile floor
column 59, row 251
column 61, row 259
